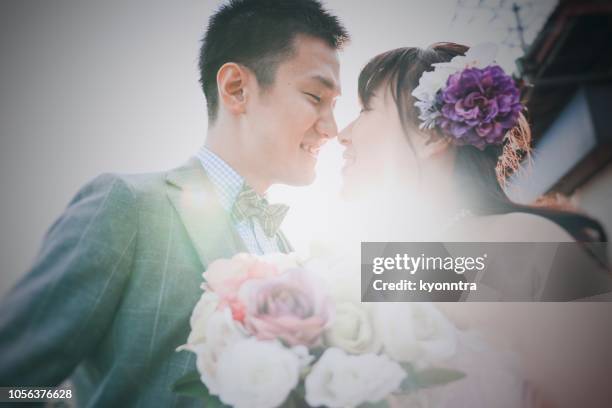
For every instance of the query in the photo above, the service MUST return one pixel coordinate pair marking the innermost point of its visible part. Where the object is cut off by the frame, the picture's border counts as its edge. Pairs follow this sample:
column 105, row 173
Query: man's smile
column 312, row 148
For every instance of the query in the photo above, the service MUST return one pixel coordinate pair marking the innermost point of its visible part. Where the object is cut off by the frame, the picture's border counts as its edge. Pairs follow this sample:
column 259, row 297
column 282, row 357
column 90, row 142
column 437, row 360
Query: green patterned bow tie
column 249, row 204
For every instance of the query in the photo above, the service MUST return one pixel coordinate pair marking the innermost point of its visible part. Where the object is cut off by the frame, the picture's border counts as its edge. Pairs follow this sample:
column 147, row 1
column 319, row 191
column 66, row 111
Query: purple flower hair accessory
column 470, row 99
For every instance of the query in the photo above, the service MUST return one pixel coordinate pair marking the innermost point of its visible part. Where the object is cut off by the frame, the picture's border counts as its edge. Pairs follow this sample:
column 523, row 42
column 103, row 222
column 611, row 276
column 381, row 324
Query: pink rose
column 291, row 307
column 226, row 276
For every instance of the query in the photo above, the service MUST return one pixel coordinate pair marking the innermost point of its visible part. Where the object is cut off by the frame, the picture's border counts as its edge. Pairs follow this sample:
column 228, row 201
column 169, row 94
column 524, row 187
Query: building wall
column 595, row 198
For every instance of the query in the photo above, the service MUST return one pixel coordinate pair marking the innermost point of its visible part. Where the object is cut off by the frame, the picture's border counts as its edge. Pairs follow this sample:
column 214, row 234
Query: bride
column 440, row 132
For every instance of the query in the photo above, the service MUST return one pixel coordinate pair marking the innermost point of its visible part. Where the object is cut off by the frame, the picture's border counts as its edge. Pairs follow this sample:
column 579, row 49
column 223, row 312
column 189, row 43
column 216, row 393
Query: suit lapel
column 208, row 225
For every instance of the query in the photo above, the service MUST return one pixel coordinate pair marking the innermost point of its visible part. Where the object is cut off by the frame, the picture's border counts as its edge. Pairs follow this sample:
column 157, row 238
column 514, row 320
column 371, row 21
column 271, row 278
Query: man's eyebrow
column 327, row 83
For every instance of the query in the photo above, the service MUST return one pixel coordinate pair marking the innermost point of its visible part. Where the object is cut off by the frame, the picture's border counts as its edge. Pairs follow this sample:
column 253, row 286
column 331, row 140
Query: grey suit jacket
column 110, row 294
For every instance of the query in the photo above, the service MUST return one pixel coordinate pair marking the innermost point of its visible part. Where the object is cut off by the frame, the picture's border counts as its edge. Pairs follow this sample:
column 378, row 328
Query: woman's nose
column 344, row 137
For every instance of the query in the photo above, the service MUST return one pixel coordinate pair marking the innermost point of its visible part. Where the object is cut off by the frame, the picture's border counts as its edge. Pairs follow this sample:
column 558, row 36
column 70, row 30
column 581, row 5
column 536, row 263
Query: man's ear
column 433, row 147
column 232, row 79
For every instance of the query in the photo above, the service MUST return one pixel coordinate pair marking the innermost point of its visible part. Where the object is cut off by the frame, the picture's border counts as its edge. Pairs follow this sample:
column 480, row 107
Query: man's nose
column 327, row 127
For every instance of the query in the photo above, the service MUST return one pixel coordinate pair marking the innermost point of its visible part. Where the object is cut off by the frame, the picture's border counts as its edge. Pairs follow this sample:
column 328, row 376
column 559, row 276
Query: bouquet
column 273, row 331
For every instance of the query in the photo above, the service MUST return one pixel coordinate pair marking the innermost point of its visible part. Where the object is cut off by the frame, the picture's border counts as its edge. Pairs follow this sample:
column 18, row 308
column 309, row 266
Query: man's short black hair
column 259, row 34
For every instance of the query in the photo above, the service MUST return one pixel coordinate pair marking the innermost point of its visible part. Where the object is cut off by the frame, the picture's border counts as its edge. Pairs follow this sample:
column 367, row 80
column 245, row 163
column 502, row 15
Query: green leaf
column 408, row 367
column 432, row 377
column 191, row 385
column 380, row 404
column 427, row 378
column 294, row 400
column 409, row 383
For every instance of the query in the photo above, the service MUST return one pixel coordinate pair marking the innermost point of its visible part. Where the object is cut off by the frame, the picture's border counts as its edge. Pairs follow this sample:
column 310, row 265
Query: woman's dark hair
column 476, row 171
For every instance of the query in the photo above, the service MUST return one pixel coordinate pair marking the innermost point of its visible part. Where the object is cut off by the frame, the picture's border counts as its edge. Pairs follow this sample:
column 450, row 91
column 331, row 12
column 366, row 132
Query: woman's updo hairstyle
column 481, row 173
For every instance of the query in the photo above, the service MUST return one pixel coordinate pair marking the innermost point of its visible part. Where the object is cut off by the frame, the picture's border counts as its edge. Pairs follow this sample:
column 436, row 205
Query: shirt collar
column 227, row 182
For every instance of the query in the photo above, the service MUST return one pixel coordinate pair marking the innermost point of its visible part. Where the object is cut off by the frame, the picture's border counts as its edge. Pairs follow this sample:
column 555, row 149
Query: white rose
column 220, row 332
column 202, row 311
column 257, row 374
column 414, row 332
column 352, row 329
column 341, row 380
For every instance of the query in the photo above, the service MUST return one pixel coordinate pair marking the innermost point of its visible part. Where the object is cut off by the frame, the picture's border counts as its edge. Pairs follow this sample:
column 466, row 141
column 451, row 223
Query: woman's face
column 377, row 151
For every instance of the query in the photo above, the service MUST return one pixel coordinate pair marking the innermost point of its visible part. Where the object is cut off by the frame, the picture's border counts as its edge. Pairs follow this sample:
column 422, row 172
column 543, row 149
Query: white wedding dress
column 512, row 353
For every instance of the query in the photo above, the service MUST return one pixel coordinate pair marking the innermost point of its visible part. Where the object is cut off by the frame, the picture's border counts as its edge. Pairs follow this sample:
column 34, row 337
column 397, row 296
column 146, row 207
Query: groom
column 110, row 294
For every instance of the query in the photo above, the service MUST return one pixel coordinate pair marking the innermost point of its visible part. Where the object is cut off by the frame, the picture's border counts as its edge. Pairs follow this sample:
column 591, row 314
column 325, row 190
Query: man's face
column 289, row 121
